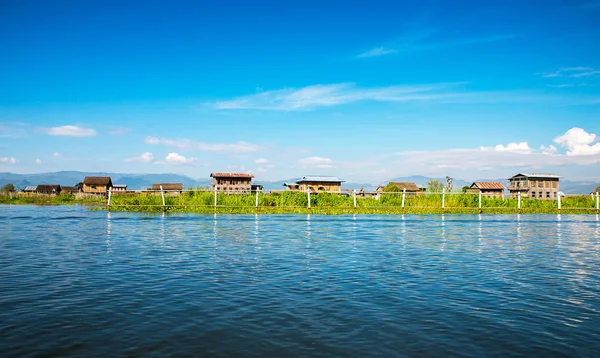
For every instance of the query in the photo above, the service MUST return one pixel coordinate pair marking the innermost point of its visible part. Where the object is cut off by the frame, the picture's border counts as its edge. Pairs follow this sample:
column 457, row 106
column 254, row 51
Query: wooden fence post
column 480, row 202
column 256, row 204
column 109, row 197
column 215, row 195
column 308, row 192
column 597, row 202
column 162, row 194
column 354, row 195
column 403, row 196
column 519, row 200
column 559, row 203
column 443, row 198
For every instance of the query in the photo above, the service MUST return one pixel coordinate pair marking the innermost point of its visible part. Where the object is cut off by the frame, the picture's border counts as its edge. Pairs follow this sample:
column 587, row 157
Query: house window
column 548, row 195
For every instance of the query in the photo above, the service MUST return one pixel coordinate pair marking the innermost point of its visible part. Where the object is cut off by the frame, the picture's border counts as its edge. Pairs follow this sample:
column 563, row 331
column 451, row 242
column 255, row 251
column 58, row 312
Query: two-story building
column 315, row 184
column 534, row 186
column 232, row 182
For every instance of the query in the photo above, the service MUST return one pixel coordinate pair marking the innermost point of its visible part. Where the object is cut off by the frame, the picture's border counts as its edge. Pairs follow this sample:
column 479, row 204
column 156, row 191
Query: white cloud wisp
column 190, row 144
column 316, row 163
column 8, row 160
column 326, row 95
column 70, row 131
column 146, row 157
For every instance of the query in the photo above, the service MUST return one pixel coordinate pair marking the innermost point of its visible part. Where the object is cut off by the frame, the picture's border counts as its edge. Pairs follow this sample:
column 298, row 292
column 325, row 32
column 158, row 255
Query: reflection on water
column 78, row 282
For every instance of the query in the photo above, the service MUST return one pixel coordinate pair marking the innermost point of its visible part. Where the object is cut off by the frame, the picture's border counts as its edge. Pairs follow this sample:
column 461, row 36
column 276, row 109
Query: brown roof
column 488, row 185
column 406, row 185
column 168, row 186
column 231, row 175
column 97, row 181
column 47, row 188
column 70, row 189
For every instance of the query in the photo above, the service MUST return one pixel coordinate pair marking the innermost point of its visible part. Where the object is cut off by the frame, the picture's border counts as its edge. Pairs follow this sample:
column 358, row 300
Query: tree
column 8, row 187
column 391, row 188
column 465, row 188
column 435, row 186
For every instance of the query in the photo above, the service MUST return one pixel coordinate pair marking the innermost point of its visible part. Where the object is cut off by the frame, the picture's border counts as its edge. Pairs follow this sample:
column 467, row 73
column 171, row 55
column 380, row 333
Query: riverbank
column 323, row 203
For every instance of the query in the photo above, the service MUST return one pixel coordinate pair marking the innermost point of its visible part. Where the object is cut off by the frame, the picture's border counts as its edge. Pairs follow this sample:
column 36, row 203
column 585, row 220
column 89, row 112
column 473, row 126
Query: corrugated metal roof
column 489, row 185
column 368, row 189
column 119, row 186
column 30, row 188
column 536, row 175
column 231, row 175
column 320, row 178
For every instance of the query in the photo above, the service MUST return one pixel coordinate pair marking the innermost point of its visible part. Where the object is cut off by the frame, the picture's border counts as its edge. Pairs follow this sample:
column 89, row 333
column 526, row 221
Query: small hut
column 493, row 189
column 48, row 189
column 168, row 186
column 69, row 190
column 96, row 185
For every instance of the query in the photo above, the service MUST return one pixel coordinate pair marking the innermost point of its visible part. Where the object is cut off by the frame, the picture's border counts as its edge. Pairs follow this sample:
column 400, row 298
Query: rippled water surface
column 76, row 282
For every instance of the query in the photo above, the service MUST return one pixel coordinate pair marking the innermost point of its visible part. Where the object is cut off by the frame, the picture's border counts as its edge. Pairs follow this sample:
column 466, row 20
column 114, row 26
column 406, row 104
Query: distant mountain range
column 140, row 181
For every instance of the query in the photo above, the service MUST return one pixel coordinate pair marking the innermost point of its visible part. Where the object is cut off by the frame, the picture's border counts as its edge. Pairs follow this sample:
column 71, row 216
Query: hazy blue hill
column 139, row 181
column 133, row 181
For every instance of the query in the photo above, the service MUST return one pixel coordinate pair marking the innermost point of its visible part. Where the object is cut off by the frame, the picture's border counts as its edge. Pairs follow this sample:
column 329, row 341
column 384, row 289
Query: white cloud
column 146, row 157
column 10, row 160
column 581, row 151
column 316, row 162
column 265, row 168
column 56, row 154
column 424, row 40
column 261, row 161
column 38, row 161
column 572, row 72
column 178, row 159
column 70, row 131
column 549, row 149
column 521, row 147
column 190, row 144
column 324, row 95
column 578, row 142
column 378, row 51
column 119, row 131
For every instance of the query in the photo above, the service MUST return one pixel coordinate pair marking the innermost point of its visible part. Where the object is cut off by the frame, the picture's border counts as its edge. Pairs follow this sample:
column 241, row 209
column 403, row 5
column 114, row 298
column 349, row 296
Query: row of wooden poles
column 162, row 193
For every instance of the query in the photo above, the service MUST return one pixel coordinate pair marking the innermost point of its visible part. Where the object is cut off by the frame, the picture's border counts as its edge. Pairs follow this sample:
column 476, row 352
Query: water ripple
column 89, row 283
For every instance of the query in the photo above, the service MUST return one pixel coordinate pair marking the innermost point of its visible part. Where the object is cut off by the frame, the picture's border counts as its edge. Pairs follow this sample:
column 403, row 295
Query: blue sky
column 367, row 92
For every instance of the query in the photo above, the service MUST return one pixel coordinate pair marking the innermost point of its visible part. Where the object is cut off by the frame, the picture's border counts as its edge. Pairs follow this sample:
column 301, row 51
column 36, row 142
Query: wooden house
column 318, row 184
column 30, row 189
column 494, row 189
column 368, row 192
column 236, row 183
column 411, row 188
column 119, row 187
column 69, row 190
column 167, row 186
column 48, row 189
column 96, row 185
column 292, row 186
column 534, row 186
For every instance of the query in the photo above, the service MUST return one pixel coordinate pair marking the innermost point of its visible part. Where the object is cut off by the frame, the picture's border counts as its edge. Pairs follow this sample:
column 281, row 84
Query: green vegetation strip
column 322, row 203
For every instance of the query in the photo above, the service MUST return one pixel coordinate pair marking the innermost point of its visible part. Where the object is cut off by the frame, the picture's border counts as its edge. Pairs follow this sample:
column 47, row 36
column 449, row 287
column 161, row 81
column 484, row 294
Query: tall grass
column 326, row 203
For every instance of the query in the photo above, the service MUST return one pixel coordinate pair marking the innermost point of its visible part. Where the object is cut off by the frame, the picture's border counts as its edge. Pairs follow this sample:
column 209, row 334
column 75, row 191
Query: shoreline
column 320, row 210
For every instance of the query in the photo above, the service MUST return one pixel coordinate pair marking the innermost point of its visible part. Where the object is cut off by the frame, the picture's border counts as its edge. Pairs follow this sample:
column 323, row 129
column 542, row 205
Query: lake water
column 76, row 282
